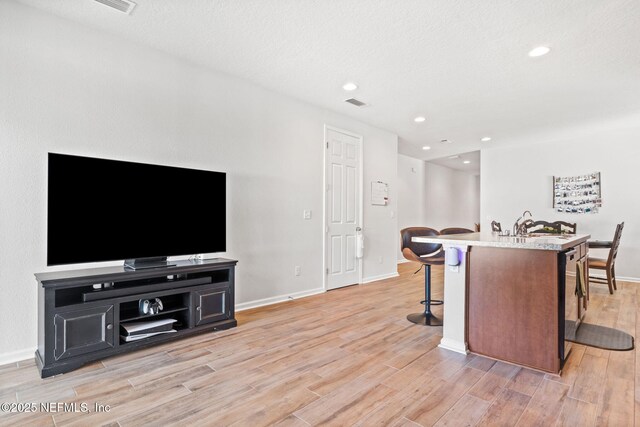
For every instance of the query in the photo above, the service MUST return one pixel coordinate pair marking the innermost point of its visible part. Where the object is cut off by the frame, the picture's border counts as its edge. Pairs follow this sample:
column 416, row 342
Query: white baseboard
column 381, row 277
column 628, row 279
column 620, row 278
column 277, row 299
column 17, row 356
column 457, row 346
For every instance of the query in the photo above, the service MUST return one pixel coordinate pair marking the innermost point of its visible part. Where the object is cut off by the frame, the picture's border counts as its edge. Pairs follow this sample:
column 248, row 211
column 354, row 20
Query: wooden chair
column 609, row 264
column 496, row 227
column 427, row 254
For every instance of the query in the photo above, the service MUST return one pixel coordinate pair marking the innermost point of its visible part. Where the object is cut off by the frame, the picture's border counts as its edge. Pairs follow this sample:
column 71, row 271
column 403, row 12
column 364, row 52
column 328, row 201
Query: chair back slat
column 542, row 227
column 567, row 227
column 455, row 230
column 551, row 227
column 615, row 244
column 419, row 249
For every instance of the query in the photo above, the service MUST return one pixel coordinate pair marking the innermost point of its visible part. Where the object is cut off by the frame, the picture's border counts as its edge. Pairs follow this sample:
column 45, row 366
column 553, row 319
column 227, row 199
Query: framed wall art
column 580, row 194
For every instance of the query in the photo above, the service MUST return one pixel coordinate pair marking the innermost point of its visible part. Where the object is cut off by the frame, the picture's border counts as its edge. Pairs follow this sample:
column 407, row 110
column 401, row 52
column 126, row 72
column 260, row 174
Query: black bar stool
column 427, row 254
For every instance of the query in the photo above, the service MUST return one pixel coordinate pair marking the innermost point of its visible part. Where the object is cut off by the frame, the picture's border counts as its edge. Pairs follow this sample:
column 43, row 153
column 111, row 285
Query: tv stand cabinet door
column 83, row 331
column 211, row 305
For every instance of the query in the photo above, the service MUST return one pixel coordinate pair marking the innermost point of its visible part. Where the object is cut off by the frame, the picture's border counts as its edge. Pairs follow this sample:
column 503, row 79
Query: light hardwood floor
column 347, row 357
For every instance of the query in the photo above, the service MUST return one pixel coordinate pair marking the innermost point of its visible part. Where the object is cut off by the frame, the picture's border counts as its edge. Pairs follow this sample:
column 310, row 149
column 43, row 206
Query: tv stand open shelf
column 80, row 311
column 142, row 317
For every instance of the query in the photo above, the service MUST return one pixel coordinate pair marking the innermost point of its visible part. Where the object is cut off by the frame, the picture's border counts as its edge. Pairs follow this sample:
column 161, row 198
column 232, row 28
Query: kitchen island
column 514, row 299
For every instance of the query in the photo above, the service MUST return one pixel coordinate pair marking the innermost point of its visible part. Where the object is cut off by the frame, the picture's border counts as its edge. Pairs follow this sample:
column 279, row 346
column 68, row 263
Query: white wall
column 435, row 196
column 411, row 188
column 69, row 89
column 520, row 178
column 452, row 198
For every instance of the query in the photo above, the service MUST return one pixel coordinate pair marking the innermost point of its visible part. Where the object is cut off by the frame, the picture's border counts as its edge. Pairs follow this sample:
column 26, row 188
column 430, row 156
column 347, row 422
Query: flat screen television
column 106, row 210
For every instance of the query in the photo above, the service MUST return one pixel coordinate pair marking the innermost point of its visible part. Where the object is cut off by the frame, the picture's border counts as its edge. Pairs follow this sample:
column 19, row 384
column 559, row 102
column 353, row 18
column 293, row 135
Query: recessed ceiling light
column 426, row 147
column 486, row 138
column 466, row 162
column 539, row 51
column 349, row 86
column 446, row 141
column 453, row 157
column 419, row 119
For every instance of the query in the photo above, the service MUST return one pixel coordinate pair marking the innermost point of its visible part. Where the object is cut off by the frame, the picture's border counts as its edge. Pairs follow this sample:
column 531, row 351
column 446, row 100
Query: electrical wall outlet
column 297, row 270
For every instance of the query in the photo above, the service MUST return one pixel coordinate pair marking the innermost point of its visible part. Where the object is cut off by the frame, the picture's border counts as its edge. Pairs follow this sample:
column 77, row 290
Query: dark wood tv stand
column 80, row 311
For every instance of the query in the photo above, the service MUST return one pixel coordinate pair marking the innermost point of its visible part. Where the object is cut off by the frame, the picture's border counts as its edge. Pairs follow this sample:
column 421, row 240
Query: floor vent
column 355, row 102
column 125, row 6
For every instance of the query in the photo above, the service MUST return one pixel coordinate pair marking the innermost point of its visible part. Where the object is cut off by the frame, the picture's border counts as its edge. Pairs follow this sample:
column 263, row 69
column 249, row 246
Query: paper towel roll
column 359, row 245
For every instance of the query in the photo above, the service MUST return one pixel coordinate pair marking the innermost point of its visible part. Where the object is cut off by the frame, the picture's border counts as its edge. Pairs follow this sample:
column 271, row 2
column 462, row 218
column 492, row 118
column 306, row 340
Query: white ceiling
column 462, row 64
column 457, row 163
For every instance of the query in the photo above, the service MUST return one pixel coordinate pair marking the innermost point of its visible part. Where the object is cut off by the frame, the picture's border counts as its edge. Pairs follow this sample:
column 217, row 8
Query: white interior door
column 343, row 203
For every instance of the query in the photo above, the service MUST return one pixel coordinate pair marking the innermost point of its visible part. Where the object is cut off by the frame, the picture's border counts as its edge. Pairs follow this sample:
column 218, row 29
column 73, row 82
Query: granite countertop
column 548, row 243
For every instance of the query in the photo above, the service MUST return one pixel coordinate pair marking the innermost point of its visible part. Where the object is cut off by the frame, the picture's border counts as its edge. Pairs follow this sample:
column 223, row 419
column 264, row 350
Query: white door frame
column 324, row 199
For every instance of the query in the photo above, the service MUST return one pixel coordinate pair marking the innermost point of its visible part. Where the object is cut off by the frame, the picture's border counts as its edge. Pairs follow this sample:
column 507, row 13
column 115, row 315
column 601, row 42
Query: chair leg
column 610, row 281
column 427, row 290
column 586, row 278
column 427, row 318
column 613, row 277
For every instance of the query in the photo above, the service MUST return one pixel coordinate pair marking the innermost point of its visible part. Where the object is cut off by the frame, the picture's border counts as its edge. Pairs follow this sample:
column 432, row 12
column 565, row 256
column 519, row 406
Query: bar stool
column 427, row 254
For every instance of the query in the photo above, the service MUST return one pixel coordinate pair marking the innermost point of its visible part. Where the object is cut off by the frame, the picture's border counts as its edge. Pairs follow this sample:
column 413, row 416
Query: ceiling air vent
column 125, row 6
column 355, row 102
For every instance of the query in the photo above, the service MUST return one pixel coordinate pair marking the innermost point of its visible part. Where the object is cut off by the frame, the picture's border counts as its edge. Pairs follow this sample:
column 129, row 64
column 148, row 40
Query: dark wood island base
column 521, row 300
column 514, row 298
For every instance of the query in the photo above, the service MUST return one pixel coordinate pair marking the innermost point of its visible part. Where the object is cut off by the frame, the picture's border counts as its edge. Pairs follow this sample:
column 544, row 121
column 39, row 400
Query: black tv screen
column 106, row 210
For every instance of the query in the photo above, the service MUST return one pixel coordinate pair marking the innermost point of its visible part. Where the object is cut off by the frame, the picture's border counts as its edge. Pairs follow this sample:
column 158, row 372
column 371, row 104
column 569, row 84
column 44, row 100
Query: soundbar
column 125, row 290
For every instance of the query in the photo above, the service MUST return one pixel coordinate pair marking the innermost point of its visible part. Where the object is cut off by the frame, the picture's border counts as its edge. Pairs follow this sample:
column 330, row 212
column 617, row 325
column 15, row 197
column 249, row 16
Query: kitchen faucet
column 520, row 229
